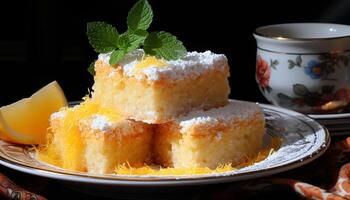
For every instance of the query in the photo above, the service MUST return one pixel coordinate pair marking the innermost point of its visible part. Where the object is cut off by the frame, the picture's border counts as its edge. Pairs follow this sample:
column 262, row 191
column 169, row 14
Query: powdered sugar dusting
column 234, row 110
column 192, row 65
column 100, row 122
column 105, row 57
column 58, row 115
column 130, row 60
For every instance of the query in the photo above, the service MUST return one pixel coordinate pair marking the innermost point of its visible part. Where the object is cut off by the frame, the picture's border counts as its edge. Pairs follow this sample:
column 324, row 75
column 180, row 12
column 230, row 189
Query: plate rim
column 177, row 181
column 330, row 116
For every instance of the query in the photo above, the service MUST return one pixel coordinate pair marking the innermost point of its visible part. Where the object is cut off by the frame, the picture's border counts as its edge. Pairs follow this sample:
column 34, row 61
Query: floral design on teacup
column 322, row 67
column 317, row 100
column 295, row 63
column 319, row 68
column 263, row 72
column 314, row 69
column 325, row 65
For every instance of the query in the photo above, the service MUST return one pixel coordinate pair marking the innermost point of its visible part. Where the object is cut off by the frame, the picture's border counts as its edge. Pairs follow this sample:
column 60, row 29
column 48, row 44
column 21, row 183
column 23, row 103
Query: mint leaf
column 123, row 41
column 103, row 37
column 131, row 41
column 137, row 38
column 140, row 16
column 164, row 45
column 116, row 56
column 91, row 68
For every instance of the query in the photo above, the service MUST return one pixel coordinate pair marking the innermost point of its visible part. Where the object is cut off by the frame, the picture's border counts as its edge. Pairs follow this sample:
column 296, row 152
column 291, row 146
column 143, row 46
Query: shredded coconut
column 234, row 110
column 191, row 66
column 100, row 122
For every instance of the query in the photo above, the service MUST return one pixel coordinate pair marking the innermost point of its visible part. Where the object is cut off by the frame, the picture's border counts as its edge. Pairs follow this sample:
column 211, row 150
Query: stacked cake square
column 148, row 111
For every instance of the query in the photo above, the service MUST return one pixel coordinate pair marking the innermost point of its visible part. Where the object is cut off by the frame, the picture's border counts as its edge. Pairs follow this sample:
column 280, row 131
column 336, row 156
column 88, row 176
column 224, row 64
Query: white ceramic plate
column 303, row 140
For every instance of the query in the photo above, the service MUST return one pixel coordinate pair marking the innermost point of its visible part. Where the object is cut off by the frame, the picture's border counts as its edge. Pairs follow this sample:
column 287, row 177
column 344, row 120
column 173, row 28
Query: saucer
column 337, row 124
column 331, row 116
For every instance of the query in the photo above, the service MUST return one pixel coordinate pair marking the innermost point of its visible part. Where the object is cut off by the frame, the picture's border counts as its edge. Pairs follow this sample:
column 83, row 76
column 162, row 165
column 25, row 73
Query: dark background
column 42, row 41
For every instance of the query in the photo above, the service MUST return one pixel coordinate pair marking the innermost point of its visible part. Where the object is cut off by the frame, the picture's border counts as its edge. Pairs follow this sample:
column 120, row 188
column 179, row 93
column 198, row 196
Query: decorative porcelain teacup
column 304, row 66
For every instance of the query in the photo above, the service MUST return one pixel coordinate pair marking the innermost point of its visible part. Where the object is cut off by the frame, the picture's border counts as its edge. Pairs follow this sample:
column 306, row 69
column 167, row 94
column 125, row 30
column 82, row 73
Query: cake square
column 151, row 90
column 111, row 143
column 89, row 138
column 227, row 135
column 65, row 147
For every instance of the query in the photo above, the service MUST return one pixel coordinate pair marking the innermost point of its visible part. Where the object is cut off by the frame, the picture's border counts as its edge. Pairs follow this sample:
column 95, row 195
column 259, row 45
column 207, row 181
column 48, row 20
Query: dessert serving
column 161, row 89
column 154, row 108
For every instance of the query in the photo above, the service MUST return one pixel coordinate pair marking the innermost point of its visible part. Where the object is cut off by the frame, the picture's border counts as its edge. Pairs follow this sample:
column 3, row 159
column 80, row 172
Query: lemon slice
column 26, row 121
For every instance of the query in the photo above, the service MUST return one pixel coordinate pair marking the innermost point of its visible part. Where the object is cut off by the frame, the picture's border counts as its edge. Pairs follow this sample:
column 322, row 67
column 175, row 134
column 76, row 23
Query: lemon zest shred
column 126, row 169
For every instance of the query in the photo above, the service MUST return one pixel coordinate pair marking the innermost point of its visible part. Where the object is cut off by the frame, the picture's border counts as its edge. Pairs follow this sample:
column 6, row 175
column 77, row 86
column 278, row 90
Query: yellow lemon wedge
column 26, row 121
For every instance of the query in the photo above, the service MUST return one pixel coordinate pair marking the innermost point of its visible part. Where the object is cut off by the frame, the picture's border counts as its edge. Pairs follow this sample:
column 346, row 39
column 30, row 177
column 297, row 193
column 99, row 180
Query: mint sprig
column 164, row 45
column 130, row 41
column 91, row 68
column 140, row 16
column 116, row 55
column 104, row 38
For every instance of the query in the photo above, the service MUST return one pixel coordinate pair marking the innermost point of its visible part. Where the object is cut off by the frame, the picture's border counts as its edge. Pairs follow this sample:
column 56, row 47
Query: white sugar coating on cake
column 100, row 122
column 234, row 110
column 104, row 57
column 191, row 66
column 132, row 57
column 58, row 115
